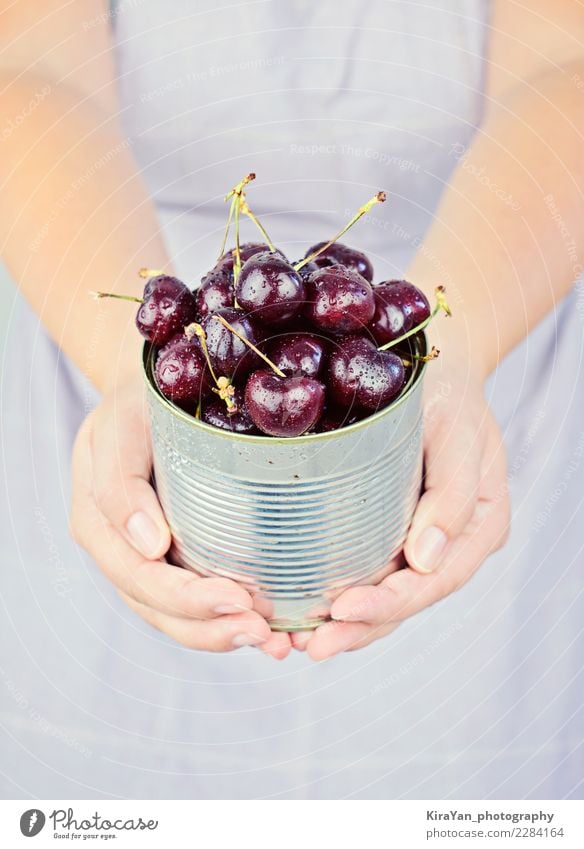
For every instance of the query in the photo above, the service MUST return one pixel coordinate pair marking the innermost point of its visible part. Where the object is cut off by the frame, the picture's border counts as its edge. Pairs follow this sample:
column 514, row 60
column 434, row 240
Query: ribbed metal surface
column 294, row 520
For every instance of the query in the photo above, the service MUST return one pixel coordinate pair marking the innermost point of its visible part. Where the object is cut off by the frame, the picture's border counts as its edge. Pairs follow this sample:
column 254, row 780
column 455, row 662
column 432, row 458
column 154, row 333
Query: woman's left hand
column 461, row 518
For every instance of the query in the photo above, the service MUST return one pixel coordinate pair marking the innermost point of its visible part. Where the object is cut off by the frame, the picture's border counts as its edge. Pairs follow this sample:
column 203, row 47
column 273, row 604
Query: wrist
column 121, row 367
column 464, row 341
column 461, row 351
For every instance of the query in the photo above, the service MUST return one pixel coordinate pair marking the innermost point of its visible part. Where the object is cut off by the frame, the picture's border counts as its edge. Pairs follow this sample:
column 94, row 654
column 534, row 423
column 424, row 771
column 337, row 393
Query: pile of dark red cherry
column 268, row 346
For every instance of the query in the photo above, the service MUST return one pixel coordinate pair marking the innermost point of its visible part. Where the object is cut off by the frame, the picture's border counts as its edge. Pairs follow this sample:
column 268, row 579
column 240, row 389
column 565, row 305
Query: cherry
column 359, row 374
column 298, row 353
column 338, row 254
column 307, row 269
column 246, row 251
column 181, row 370
column 339, row 300
column 270, row 289
column 334, row 419
column 215, row 292
column 284, row 406
column 167, row 306
column 215, row 412
column 399, row 306
column 227, row 352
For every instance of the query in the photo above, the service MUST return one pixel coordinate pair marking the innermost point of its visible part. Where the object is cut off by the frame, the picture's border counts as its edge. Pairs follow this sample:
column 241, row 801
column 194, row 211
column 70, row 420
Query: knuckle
column 104, row 496
column 457, row 506
column 462, row 491
column 136, row 582
column 400, row 598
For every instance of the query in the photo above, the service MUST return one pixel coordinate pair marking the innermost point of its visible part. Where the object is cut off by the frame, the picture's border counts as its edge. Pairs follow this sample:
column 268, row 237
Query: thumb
column 453, row 451
column 121, row 456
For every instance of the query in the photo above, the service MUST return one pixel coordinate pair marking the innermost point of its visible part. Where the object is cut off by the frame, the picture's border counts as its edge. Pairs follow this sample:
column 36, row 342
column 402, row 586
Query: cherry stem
column 237, row 251
column 225, row 390
column 380, row 197
column 99, row 295
column 247, row 211
column 227, row 226
column 441, row 304
column 235, row 195
column 145, row 273
column 249, row 344
column 237, row 190
column 222, row 383
column 433, row 355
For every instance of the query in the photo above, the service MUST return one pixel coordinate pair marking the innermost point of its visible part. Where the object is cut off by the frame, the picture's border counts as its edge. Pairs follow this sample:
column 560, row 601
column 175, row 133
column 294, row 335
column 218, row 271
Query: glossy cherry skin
column 298, row 354
column 284, row 406
column 270, row 290
column 228, row 354
column 216, row 413
column 215, row 292
column 246, row 251
column 181, row 370
column 359, row 375
column 399, row 306
column 334, row 419
column 167, row 308
column 338, row 254
column 339, row 300
column 307, row 269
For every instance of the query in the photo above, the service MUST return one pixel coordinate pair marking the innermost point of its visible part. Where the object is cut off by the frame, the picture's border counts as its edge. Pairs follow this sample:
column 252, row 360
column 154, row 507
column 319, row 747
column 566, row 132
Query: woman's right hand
column 117, row 518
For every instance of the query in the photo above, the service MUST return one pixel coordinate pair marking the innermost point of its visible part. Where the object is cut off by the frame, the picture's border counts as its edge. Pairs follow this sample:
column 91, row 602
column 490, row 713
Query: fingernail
column 429, row 549
column 144, row 533
column 247, row 640
column 231, row 608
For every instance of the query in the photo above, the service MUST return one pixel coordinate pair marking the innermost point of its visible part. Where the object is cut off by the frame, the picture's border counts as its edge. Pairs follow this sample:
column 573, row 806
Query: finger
column 353, row 601
column 300, row 639
column 121, row 465
column 453, row 453
column 166, row 588
column 218, row 635
column 335, row 637
column 406, row 592
column 278, row 645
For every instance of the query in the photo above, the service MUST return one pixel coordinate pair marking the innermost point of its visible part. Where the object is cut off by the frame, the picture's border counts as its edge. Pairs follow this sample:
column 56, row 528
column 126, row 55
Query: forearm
column 74, row 217
column 507, row 237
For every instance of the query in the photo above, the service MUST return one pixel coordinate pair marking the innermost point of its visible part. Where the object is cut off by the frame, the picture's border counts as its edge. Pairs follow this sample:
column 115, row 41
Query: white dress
column 479, row 696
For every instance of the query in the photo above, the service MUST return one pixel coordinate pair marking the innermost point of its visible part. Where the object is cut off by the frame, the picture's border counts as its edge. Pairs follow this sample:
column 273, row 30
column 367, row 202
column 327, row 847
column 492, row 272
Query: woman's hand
column 460, row 519
column 117, row 518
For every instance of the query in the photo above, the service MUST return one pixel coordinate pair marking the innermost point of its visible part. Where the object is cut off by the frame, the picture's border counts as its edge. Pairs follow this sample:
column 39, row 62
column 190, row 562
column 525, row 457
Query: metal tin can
column 293, row 520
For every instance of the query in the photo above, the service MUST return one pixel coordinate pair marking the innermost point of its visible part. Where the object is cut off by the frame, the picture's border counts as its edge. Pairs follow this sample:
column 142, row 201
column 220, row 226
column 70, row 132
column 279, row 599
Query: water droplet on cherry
column 399, row 306
column 284, row 406
column 215, row 412
column 339, row 254
column 270, row 289
column 360, row 375
column 299, row 354
column 181, row 371
column 168, row 306
column 339, row 300
column 230, row 357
